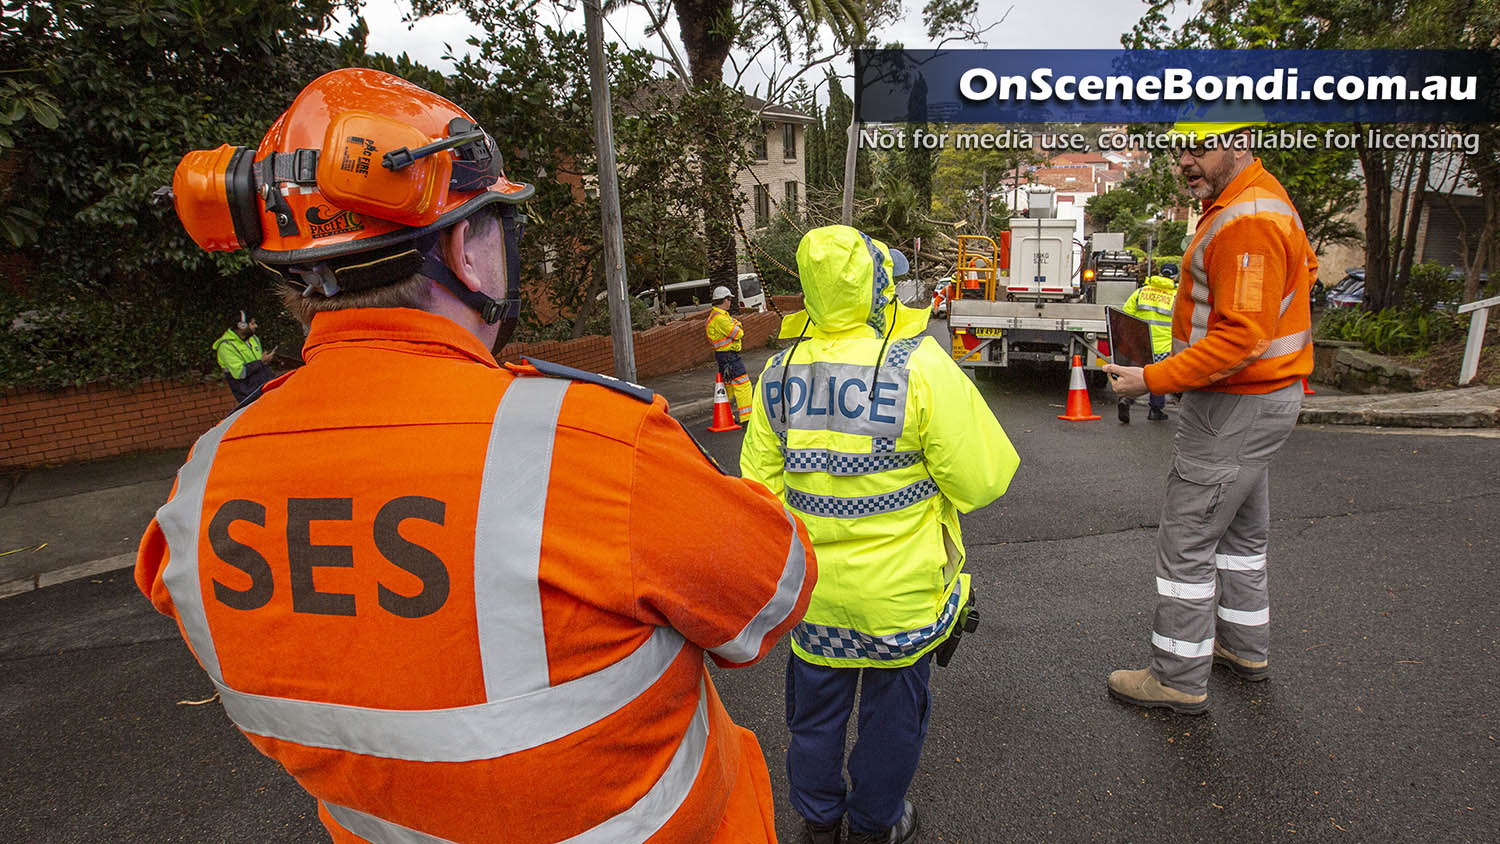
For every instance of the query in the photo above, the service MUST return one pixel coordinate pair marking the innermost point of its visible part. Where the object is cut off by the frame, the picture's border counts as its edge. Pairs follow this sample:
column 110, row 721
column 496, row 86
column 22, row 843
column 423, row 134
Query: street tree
column 1323, row 180
column 709, row 30
column 968, row 184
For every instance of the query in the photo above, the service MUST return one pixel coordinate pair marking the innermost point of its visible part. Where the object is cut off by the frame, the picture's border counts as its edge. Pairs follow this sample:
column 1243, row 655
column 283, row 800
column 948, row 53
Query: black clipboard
column 1129, row 338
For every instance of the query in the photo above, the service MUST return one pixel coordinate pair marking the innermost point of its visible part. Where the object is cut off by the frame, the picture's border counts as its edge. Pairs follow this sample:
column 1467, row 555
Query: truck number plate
column 987, row 332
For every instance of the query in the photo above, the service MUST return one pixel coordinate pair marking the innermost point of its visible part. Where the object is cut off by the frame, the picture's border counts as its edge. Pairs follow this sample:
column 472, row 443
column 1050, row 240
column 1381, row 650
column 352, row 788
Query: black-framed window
column 789, row 140
column 761, row 154
column 791, row 198
column 762, row 206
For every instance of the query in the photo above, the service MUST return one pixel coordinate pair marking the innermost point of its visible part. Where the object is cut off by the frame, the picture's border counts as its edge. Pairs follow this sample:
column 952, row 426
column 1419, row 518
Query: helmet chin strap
column 506, row 311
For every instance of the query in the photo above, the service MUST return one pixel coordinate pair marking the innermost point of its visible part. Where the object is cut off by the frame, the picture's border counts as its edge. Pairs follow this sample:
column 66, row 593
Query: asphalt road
column 1378, row 725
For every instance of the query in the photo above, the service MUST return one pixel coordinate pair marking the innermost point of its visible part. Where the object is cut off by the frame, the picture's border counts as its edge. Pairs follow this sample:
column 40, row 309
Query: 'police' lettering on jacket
column 840, row 397
column 303, row 556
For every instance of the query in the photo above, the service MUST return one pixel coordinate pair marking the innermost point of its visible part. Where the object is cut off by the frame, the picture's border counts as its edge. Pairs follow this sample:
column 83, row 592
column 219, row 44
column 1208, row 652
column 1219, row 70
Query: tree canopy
column 1324, row 183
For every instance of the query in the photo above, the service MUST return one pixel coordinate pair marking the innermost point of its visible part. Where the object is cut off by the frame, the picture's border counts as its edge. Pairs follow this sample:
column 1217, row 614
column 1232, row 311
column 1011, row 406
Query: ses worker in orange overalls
column 456, row 601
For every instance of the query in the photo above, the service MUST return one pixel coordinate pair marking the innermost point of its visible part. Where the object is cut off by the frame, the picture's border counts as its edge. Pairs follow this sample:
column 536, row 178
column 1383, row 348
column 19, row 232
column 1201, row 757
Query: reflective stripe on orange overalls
column 460, row 624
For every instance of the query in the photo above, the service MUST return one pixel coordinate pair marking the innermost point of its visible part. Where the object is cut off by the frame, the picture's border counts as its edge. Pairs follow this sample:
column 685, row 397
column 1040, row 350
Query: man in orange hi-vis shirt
column 457, row 601
column 1242, row 342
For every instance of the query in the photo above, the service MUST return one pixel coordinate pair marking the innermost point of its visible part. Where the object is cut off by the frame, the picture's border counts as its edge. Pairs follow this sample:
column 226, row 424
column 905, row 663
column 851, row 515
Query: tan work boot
column 1244, row 669
column 1141, row 688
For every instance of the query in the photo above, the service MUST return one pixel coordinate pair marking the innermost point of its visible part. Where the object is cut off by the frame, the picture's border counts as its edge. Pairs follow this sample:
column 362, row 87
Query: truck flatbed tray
column 1051, row 316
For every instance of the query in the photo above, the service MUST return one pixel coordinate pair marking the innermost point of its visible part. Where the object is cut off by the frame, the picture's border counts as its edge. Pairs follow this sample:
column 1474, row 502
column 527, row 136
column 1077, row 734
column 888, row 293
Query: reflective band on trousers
column 1185, row 591
column 1253, row 562
column 524, row 711
column 1181, row 648
column 637, row 823
column 1246, row 618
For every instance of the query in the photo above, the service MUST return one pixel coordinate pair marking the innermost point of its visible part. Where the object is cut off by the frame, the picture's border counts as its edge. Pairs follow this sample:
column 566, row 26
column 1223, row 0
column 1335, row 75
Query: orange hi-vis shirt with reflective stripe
column 461, row 603
column 1242, row 322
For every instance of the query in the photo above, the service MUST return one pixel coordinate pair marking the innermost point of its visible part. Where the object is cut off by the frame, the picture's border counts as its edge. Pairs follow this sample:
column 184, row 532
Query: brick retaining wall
column 94, row 421
column 660, row 350
column 86, row 423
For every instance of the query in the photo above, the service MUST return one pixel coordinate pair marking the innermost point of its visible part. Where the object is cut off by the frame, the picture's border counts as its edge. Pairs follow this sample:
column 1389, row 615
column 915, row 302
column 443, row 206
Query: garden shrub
column 1391, row 331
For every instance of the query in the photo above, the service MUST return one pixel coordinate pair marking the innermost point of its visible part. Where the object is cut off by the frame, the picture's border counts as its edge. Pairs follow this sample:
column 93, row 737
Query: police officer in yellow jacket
column 876, row 440
column 1152, row 303
column 726, row 335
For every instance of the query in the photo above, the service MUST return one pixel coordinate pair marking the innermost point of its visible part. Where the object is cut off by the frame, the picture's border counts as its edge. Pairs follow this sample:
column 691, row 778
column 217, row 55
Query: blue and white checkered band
column 881, row 281
column 900, row 351
column 844, row 643
column 882, row 444
column 855, row 507
column 844, row 463
column 1158, row 357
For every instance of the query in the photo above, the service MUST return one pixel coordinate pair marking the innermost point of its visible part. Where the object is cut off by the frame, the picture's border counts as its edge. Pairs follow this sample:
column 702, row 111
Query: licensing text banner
column 1110, row 86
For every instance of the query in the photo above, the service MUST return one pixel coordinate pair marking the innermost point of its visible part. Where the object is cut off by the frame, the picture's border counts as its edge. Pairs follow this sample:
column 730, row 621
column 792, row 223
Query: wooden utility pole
column 849, row 158
column 609, row 195
column 984, row 202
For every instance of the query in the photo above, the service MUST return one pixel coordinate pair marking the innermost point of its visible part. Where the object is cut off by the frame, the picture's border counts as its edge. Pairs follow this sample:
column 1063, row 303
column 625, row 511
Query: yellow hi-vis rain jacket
column 235, row 354
column 1152, row 302
column 875, row 438
column 724, row 331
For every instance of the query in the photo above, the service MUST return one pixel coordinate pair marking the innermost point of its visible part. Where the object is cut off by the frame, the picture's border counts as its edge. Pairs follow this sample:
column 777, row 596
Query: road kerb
column 44, row 579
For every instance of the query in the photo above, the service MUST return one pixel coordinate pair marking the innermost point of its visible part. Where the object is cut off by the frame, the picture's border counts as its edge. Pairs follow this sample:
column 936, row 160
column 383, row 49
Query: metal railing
column 1478, row 322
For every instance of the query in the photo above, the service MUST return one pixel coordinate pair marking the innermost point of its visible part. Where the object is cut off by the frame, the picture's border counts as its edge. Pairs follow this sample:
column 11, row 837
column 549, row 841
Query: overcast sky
column 1030, row 24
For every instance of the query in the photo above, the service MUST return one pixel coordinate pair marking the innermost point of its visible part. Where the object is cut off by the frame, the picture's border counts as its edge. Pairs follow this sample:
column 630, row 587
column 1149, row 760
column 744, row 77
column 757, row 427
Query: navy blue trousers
column 893, row 708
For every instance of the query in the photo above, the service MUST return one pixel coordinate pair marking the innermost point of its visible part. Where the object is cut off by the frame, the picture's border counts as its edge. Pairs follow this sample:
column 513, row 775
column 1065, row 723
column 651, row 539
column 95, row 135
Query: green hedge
column 81, row 337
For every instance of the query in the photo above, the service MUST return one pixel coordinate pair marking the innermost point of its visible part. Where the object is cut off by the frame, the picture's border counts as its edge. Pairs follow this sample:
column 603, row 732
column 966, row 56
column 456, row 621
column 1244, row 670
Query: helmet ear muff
column 239, row 189
column 214, row 194
column 244, row 322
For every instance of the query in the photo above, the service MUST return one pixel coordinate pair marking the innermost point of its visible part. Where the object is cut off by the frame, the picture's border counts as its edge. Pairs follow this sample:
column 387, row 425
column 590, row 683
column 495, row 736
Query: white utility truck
column 1038, row 293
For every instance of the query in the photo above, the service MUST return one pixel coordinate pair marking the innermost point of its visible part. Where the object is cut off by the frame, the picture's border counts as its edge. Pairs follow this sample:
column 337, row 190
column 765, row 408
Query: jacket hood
column 228, row 337
column 849, row 289
column 1161, row 282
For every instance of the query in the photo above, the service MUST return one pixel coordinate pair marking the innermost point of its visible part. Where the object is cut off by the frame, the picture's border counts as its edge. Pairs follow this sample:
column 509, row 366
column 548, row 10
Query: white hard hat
column 720, row 293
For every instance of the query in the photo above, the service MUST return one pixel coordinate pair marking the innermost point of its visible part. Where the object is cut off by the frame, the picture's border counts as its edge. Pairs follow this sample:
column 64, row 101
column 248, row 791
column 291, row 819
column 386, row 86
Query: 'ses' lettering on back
column 303, row 556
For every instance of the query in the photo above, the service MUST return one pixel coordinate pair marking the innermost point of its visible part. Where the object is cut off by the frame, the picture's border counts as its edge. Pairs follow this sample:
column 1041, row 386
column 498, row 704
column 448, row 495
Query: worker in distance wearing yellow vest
column 726, row 335
column 876, row 440
column 1152, row 304
column 245, row 365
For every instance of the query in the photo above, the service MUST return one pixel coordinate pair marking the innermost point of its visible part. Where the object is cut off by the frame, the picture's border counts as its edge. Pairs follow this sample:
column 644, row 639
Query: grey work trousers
column 1215, row 523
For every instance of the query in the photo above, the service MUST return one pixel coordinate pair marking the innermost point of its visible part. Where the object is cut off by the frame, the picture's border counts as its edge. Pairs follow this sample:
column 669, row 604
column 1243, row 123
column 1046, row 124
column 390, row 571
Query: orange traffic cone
column 1078, row 396
column 1306, row 390
column 723, row 417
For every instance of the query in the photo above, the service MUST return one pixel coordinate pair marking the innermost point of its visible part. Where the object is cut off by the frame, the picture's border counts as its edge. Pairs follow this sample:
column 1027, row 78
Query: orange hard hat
column 361, row 164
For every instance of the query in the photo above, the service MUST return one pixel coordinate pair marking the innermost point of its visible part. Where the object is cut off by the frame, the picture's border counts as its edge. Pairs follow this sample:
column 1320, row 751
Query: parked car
column 1349, row 291
column 1456, row 279
column 688, row 296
